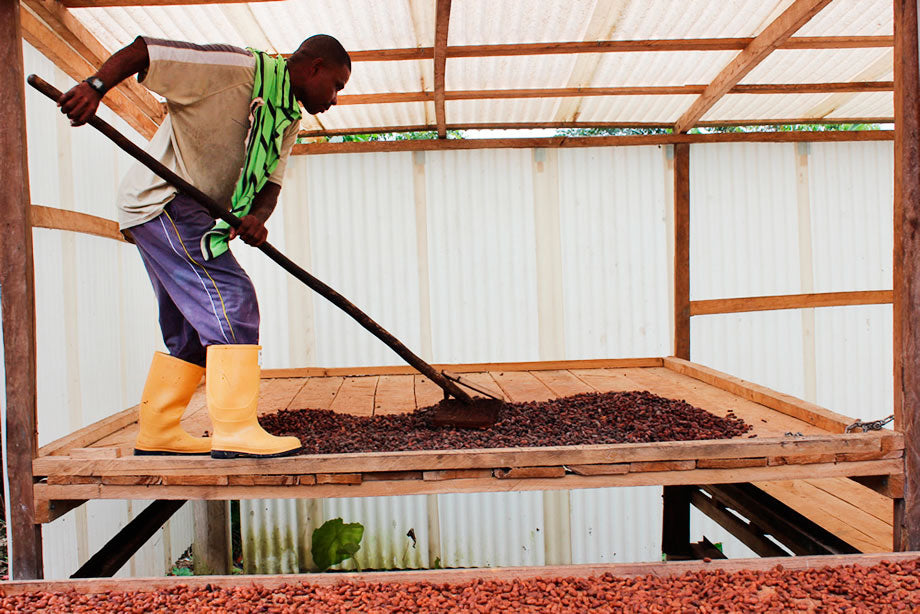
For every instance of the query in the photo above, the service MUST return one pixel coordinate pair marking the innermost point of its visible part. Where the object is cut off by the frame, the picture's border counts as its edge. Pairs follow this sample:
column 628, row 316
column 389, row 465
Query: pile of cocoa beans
column 591, row 418
column 885, row 587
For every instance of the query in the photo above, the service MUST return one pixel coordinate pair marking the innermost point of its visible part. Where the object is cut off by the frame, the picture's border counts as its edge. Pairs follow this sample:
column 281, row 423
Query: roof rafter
column 51, row 45
column 778, row 31
column 441, row 26
column 100, row 3
column 654, row 90
column 590, row 124
column 624, row 46
column 85, row 44
column 591, row 141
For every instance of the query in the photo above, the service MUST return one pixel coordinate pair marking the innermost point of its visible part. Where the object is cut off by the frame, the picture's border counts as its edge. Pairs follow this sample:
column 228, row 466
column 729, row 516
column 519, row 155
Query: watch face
column 97, row 84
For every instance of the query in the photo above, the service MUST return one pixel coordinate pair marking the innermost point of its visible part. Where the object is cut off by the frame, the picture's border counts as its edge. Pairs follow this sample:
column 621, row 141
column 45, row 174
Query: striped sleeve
column 184, row 73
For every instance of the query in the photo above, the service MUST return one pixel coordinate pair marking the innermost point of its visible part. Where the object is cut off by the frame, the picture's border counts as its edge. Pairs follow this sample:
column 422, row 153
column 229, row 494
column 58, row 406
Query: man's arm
column 80, row 102
column 252, row 227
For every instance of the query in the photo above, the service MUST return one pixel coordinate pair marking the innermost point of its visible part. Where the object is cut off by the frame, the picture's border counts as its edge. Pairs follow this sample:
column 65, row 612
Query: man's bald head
column 324, row 47
column 319, row 69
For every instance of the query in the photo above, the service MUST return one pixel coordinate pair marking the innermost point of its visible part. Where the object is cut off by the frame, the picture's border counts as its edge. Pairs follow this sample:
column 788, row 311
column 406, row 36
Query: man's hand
column 251, row 230
column 79, row 103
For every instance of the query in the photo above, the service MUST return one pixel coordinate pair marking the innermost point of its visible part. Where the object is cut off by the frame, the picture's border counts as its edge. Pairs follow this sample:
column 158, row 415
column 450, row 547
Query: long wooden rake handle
column 216, row 211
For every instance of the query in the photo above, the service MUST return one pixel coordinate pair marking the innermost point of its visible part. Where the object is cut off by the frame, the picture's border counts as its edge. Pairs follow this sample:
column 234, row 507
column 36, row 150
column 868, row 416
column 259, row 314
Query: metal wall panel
column 481, row 253
column 612, row 223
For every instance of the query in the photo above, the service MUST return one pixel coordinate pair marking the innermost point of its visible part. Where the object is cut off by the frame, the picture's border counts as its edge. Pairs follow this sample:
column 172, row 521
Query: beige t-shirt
column 208, row 89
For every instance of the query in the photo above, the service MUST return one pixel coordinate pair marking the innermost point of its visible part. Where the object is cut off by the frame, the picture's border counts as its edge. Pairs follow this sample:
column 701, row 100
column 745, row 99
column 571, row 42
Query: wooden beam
column 17, row 302
column 906, row 343
column 56, row 49
column 651, row 90
column 674, row 44
column 783, row 403
column 790, row 301
column 749, row 535
column 585, row 124
column 675, row 522
column 211, row 551
column 594, row 141
column 430, row 460
column 790, row 528
column 441, row 27
column 220, row 489
column 75, row 34
column 74, row 221
column 682, row 250
column 769, row 39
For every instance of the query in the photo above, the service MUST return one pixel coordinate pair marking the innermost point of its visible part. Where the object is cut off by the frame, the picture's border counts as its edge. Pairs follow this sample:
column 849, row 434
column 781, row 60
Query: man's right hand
column 79, row 103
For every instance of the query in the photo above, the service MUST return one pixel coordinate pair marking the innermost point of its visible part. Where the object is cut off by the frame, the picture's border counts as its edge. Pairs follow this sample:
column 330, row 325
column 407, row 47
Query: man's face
column 316, row 85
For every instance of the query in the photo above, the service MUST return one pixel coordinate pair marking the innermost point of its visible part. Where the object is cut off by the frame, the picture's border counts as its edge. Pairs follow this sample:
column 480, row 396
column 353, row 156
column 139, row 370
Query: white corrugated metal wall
column 564, row 254
column 96, row 321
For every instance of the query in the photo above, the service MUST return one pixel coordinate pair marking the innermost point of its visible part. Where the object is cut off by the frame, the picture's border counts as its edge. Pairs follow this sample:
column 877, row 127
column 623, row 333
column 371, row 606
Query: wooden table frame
column 96, row 462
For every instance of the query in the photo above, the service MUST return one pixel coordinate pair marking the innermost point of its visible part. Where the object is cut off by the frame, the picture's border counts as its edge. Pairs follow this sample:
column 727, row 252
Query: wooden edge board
column 783, row 403
column 454, row 576
column 490, row 484
column 429, row 460
column 92, row 433
column 602, row 363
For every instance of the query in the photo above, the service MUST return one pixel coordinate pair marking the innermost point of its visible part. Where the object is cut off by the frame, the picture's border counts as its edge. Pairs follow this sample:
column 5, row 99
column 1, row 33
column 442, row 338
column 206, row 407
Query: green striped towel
column 272, row 110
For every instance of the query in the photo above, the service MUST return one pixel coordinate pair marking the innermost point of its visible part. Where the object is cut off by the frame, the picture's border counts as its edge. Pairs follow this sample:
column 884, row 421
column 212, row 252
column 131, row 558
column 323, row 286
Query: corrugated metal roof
column 410, row 24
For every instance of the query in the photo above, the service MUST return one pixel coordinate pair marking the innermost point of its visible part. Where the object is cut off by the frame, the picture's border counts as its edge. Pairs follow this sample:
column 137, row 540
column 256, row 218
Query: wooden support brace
column 773, row 517
column 129, row 540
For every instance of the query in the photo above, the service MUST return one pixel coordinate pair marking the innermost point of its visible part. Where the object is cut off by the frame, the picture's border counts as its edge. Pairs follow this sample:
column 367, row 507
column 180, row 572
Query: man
column 228, row 109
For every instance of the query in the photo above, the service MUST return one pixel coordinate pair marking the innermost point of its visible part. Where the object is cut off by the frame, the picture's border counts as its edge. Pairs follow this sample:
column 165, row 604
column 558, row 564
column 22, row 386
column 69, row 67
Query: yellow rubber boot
column 233, row 394
column 170, row 384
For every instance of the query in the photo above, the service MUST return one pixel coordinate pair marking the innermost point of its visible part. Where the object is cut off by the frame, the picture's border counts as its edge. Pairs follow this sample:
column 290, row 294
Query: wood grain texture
column 682, row 251
column 61, row 219
column 591, row 141
column 17, row 301
column 906, row 275
column 790, row 301
column 441, row 27
column 46, row 492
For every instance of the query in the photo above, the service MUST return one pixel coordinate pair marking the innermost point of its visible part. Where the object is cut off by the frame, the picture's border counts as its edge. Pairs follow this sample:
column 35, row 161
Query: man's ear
column 316, row 65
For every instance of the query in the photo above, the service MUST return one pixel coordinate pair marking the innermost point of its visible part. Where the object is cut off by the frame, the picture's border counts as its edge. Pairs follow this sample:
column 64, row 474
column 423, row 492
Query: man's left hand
column 251, row 230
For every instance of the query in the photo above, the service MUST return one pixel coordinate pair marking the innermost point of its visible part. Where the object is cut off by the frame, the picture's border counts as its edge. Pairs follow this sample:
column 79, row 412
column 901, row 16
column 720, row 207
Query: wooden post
column 211, row 549
column 675, row 522
column 906, row 281
column 682, row 250
column 17, row 301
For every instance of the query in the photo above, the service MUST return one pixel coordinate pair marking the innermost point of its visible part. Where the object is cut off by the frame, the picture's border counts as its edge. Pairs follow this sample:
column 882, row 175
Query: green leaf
column 336, row 541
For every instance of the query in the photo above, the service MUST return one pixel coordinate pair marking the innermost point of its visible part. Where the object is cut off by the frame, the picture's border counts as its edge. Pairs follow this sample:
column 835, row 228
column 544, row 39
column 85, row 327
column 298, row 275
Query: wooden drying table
column 794, row 440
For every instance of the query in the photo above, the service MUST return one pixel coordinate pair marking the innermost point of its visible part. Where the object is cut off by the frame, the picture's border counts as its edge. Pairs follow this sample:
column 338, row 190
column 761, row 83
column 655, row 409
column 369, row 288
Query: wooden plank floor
column 786, row 442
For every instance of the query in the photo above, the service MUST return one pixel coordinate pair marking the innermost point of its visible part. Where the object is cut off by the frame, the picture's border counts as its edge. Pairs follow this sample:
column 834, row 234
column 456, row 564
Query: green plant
column 180, row 571
column 335, row 542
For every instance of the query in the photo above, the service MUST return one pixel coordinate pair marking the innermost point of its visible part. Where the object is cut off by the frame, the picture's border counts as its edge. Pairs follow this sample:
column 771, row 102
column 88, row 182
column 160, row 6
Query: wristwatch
column 97, row 84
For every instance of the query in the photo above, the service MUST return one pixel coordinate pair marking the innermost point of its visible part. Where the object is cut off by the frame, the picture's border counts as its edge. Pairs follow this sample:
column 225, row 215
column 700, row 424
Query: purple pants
column 201, row 302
